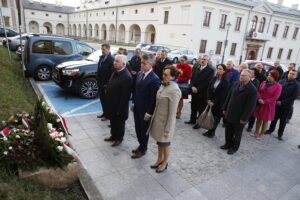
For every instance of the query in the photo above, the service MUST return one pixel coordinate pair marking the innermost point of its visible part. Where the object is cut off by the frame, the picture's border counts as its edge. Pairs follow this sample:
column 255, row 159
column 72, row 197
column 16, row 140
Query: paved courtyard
column 198, row 168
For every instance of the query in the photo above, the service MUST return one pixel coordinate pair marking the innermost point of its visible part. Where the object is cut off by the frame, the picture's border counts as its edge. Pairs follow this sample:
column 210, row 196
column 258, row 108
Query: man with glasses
column 117, row 97
column 202, row 74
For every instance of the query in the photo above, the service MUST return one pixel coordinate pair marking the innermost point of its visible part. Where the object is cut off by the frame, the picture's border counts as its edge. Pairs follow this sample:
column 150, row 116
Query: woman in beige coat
column 164, row 117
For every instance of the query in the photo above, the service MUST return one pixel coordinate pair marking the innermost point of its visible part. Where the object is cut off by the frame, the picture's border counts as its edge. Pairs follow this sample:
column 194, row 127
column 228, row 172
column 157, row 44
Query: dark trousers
column 291, row 111
column 101, row 92
column 216, row 123
column 233, row 135
column 251, row 122
column 197, row 107
column 141, row 128
column 117, row 130
column 281, row 114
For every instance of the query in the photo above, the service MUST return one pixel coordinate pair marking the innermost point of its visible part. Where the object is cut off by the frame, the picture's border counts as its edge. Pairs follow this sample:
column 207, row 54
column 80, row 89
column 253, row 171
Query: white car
column 176, row 54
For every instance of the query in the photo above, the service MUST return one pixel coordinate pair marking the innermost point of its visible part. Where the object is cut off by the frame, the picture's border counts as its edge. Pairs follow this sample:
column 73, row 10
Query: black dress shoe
column 249, row 130
column 211, row 135
column 268, row 132
column 116, row 143
column 206, row 133
column 100, row 116
column 189, row 122
column 231, row 151
column 135, row 150
column 138, row 155
column 161, row 170
column 109, row 139
column 299, row 146
column 224, row 147
column 196, row 126
column 279, row 138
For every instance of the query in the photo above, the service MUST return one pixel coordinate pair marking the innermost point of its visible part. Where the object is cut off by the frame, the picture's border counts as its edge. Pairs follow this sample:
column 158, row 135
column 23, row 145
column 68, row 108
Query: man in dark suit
column 144, row 100
column 290, row 89
column 104, row 71
column 238, row 107
column 291, row 66
column 202, row 74
column 161, row 63
column 134, row 66
column 117, row 98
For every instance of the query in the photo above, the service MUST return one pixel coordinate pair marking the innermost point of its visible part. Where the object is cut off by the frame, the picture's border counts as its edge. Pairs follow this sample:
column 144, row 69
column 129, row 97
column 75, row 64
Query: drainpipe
column 244, row 38
column 262, row 54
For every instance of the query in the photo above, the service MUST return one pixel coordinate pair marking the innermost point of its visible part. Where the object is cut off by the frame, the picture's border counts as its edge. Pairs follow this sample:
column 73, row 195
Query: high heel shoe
column 155, row 166
column 162, row 170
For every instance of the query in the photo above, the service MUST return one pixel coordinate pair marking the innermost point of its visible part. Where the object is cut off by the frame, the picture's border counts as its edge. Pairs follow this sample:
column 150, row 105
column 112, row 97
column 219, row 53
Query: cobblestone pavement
column 199, row 169
column 197, row 158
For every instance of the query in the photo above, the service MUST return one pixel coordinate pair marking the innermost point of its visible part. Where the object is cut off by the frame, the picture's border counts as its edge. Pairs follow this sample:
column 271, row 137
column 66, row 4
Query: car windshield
column 94, row 56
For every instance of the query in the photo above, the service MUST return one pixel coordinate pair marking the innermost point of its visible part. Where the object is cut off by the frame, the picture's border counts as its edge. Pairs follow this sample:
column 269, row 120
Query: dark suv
column 80, row 76
column 42, row 53
column 9, row 32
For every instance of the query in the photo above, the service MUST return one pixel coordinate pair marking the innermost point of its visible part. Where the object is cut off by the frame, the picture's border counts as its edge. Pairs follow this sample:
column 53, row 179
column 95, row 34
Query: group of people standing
column 157, row 89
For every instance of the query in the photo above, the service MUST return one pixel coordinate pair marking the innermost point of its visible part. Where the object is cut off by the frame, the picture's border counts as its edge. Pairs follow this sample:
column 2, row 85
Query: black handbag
column 185, row 88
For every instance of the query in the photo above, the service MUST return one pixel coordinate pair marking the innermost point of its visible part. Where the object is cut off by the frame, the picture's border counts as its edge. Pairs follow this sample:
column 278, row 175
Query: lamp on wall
column 226, row 41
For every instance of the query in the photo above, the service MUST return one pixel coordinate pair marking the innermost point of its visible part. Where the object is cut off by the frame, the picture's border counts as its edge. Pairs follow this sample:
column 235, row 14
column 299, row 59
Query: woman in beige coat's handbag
column 164, row 117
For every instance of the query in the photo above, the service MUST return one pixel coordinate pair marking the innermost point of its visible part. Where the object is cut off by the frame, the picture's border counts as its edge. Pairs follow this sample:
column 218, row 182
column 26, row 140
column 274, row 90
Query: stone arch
column 96, row 30
column 48, row 27
column 60, row 29
column 79, row 30
column 90, row 30
column 33, row 27
column 134, row 34
column 150, row 34
column 112, row 32
column 103, row 32
column 121, row 33
column 74, row 30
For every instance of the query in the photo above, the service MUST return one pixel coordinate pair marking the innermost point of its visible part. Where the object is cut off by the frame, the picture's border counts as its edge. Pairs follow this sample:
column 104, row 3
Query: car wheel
column 88, row 88
column 43, row 73
column 175, row 60
column 194, row 61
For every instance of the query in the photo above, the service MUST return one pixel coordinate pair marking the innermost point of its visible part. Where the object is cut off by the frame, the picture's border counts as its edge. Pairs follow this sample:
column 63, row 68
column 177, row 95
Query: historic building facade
column 254, row 29
column 10, row 14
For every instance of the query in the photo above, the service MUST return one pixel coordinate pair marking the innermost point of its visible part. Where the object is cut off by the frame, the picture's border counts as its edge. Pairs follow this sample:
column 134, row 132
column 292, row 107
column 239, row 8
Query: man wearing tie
column 144, row 99
column 104, row 71
column 117, row 98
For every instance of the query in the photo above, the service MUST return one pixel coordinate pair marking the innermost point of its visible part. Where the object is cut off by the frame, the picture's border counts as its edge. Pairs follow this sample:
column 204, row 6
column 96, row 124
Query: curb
column 85, row 180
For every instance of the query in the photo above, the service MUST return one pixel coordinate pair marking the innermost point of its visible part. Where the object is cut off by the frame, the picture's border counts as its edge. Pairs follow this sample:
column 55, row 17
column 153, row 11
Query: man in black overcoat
column 238, row 107
column 289, row 92
column 161, row 63
column 202, row 74
column 117, row 97
column 104, row 71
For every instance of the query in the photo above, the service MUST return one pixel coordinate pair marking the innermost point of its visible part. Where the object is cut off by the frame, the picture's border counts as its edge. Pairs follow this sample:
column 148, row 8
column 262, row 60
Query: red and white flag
column 5, row 132
column 63, row 122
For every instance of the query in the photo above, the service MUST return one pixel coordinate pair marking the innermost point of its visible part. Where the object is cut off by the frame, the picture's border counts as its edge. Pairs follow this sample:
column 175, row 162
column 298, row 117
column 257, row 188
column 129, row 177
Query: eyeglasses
column 182, row 60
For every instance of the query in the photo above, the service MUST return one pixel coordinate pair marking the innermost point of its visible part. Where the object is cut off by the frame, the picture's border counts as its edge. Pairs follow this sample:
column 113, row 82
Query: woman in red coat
column 185, row 71
column 269, row 91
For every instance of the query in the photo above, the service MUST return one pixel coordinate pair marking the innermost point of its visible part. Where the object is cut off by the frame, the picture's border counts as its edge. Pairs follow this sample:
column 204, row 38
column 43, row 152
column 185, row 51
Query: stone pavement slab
column 198, row 168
